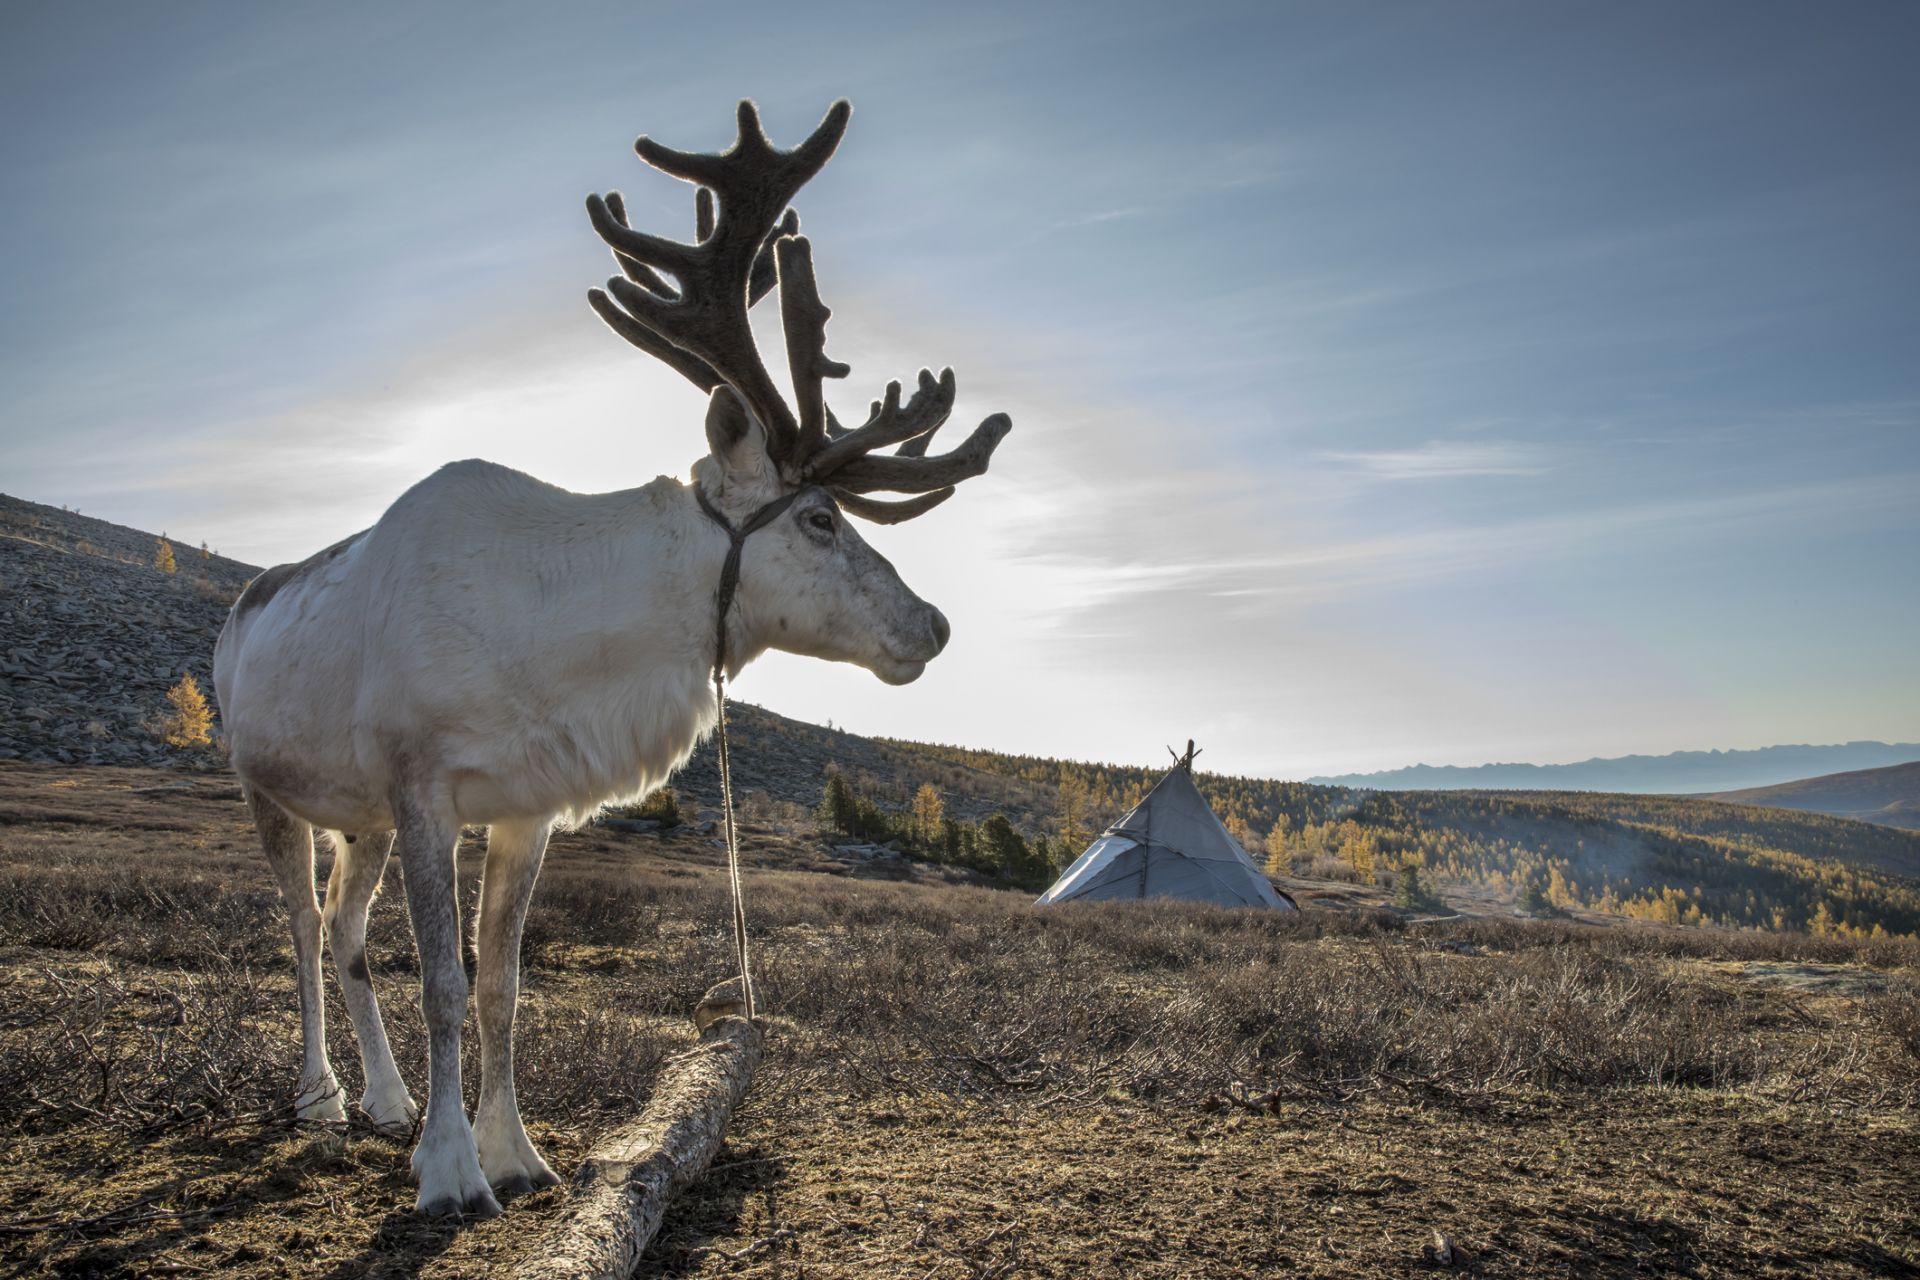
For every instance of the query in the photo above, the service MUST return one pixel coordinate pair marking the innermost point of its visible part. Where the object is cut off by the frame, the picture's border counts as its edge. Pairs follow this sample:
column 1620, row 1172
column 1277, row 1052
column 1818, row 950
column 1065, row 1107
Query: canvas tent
column 1170, row 846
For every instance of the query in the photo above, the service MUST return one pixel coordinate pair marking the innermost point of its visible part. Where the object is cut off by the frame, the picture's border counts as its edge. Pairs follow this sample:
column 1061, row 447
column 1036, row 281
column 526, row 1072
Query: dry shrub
column 1898, row 1014
column 879, row 989
column 1330, row 869
column 140, row 1053
column 207, row 589
column 1166, row 1001
column 783, row 816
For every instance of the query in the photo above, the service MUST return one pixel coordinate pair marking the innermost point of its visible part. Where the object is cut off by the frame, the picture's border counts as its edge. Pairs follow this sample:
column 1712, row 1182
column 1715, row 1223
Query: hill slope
column 1677, row 773
column 1672, row 859
column 92, row 635
column 1889, row 796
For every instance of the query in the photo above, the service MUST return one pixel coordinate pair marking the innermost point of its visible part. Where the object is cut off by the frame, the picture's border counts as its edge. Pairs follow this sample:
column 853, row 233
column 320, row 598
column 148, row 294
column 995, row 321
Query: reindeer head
column 809, row 583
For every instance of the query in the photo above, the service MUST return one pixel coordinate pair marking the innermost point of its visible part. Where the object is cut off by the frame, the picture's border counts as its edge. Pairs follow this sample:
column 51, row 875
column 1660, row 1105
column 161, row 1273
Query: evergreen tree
column 663, row 807
column 1003, row 850
column 837, row 809
column 969, row 855
column 1410, row 891
column 1042, row 855
column 1534, row 901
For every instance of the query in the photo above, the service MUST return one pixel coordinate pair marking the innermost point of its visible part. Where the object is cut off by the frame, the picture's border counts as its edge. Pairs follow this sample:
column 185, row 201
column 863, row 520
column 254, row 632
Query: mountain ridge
column 1708, row 772
column 1887, row 796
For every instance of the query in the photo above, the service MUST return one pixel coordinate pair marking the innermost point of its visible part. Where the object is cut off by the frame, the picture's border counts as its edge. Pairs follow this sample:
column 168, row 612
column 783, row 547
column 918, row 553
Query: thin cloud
column 1442, row 460
column 1337, row 568
column 1105, row 215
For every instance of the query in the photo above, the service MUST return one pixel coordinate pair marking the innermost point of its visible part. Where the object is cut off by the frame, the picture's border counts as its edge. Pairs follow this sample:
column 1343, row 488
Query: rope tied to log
column 622, row 1190
column 723, row 602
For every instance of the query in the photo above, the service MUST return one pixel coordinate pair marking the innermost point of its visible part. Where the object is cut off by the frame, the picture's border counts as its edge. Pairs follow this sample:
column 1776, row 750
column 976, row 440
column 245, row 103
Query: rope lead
column 723, row 601
column 733, row 846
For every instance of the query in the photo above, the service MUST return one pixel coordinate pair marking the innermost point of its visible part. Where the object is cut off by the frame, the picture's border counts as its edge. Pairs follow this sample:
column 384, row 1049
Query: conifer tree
column 1410, row 891
column 927, row 812
column 1534, row 900
column 1073, row 808
column 191, row 723
column 1005, row 852
column 1279, row 856
column 837, row 809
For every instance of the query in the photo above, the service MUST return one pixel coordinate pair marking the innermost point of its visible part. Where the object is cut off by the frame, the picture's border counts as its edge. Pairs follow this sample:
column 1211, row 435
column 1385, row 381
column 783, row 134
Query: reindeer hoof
column 528, row 1173
column 480, row 1204
column 391, row 1114
column 321, row 1104
column 450, row 1177
column 521, row 1184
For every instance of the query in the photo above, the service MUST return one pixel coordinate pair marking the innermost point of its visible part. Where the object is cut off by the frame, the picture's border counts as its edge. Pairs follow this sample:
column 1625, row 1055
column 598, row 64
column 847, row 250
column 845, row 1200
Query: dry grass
column 958, row 1085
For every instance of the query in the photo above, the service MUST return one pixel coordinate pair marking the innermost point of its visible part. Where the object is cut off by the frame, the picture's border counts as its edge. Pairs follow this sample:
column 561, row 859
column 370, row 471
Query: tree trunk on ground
column 621, row 1191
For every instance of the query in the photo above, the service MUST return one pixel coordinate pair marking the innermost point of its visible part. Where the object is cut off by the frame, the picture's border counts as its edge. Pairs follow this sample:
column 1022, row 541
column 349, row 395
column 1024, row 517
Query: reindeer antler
column 687, row 305
column 706, row 316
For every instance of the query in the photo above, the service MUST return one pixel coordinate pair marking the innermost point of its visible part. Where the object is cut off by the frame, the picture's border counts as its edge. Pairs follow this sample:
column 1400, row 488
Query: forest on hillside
column 1663, row 858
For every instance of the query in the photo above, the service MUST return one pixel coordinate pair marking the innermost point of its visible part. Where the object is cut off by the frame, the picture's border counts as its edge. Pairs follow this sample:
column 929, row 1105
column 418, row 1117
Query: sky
column 1391, row 383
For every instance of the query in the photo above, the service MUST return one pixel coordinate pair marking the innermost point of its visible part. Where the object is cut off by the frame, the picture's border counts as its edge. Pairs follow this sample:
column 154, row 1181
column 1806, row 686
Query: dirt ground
column 957, row 1086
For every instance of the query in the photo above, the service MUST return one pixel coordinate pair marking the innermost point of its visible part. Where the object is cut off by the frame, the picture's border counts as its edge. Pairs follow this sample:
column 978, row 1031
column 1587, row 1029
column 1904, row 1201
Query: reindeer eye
column 821, row 521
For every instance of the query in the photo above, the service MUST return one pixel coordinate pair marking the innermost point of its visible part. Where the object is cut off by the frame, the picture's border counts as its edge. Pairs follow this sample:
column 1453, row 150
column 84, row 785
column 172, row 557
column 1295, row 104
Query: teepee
column 1169, row 846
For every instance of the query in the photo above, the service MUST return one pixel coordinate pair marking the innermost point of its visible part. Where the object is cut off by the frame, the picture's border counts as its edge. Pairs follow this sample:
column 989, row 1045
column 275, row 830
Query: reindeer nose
column 941, row 631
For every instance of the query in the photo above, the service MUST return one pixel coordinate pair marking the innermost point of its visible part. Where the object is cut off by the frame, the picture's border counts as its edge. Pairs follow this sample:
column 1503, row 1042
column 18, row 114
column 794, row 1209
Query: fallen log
column 622, row 1190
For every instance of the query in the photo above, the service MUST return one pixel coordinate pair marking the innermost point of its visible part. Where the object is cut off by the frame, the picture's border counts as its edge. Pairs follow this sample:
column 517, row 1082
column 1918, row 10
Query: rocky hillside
column 92, row 635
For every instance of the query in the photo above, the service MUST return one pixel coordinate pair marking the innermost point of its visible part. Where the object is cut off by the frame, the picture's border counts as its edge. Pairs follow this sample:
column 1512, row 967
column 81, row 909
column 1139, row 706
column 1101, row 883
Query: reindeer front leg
column 289, row 846
column 514, row 851
column 444, row 1162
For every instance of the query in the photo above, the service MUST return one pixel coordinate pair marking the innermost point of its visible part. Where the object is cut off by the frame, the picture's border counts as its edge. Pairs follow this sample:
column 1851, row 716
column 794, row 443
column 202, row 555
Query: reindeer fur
column 498, row 651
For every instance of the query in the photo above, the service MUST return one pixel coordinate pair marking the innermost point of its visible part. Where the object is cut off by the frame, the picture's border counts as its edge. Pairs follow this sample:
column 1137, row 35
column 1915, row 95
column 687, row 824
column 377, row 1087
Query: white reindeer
column 497, row 651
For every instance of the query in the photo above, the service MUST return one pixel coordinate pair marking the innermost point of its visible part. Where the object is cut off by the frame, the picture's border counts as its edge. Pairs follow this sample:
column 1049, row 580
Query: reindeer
column 497, row 651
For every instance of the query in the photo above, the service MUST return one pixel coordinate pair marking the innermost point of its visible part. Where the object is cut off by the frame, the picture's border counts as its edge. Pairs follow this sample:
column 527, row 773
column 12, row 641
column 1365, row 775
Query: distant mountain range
column 1679, row 773
column 1889, row 796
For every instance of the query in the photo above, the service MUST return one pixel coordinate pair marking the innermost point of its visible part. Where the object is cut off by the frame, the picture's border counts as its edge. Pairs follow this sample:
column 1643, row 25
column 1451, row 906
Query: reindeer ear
column 727, row 422
column 737, row 439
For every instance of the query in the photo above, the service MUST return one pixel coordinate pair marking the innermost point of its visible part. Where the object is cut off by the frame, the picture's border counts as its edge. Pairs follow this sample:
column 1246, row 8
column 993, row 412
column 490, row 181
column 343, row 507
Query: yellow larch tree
column 927, row 812
column 191, row 724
